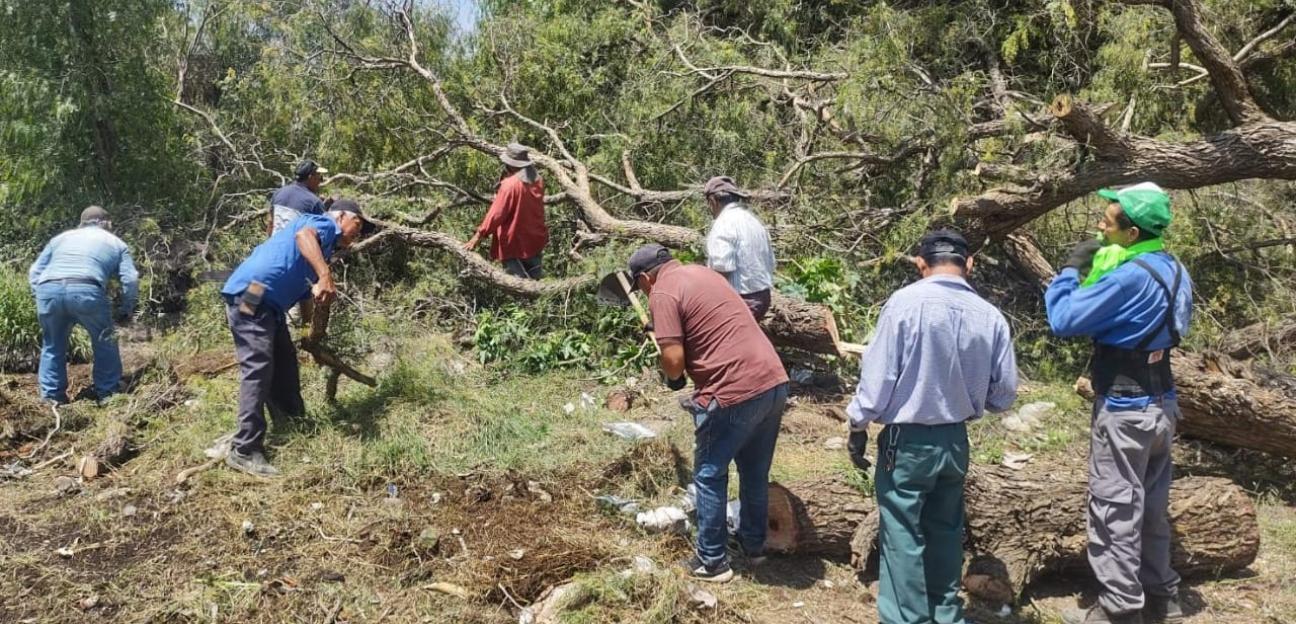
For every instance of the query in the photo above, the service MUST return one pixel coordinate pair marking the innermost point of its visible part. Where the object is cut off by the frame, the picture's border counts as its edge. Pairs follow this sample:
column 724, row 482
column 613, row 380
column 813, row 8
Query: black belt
column 83, row 281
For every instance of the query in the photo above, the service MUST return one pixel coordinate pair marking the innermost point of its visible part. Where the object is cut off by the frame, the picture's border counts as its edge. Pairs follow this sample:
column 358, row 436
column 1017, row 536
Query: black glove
column 648, row 327
column 855, row 445
column 677, row 384
column 1082, row 255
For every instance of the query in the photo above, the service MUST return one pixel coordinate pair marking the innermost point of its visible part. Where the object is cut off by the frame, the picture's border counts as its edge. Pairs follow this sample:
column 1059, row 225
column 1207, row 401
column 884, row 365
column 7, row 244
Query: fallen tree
column 1020, row 525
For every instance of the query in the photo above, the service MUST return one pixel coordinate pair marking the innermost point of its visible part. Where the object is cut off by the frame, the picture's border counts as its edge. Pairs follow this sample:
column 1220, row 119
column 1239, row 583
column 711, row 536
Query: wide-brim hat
column 516, row 155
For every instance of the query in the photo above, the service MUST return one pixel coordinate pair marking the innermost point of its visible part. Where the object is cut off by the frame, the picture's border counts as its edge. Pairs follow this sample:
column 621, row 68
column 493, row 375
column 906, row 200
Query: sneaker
column 252, row 463
column 1096, row 615
column 1159, row 609
column 720, row 573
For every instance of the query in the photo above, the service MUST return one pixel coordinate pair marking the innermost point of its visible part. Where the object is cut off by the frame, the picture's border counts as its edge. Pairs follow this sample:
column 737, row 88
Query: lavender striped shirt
column 940, row 354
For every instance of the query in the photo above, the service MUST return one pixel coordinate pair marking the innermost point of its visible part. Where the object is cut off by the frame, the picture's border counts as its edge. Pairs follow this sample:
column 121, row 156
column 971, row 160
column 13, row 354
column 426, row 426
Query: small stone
column 64, row 486
column 643, row 564
column 798, row 604
column 248, row 527
column 619, row 401
column 828, row 584
column 316, row 506
column 128, row 511
column 539, row 492
column 703, row 599
column 1015, row 424
column 835, row 444
column 88, row 603
column 64, row 552
column 110, row 494
column 517, row 554
column 429, row 538
column 569, row 408
column 436, row 498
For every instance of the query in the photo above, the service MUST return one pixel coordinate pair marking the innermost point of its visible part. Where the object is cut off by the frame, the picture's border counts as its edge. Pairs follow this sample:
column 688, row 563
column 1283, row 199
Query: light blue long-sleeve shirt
column 1119, row 309
column 940, row 354
column 88, row 252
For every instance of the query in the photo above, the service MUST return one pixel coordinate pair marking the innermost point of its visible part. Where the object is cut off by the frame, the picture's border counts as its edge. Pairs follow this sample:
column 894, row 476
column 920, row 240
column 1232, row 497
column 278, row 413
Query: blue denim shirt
column 279, row 265
column 1120, row 308
column 88, row 252
column 940, row 355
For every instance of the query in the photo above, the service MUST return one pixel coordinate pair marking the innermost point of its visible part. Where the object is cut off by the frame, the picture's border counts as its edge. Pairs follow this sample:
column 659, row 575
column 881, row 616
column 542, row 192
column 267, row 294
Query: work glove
column 648, row 328
column 677, row 384
column 1082, row 255
column 855, row 446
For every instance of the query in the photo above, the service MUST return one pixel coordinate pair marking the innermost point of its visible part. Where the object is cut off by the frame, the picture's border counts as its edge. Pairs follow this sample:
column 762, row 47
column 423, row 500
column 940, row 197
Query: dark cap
column 349, row 205
column 308, row 167
column 93, row 214
column 943, row 242
column 722, row 184
column 645, row 259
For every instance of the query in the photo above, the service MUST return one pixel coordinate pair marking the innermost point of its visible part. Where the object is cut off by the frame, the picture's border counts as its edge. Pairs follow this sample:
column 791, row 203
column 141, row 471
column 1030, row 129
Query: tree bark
column 1020, row 524
column 1259, row 338
column 801, row 325
column 324, row 356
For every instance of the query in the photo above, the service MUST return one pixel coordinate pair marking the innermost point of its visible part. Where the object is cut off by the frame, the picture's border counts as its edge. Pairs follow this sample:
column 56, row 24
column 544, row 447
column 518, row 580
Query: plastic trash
column 587, row 401
column 688, row 502
column 663, row 520
column 733, row 515
column 629, row 430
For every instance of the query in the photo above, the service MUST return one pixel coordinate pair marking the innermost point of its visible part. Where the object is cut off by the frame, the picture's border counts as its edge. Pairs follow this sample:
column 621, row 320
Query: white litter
column 663, row 520
column 569, row 408
column 629, row 430
column 587, row 401
column 733, row 515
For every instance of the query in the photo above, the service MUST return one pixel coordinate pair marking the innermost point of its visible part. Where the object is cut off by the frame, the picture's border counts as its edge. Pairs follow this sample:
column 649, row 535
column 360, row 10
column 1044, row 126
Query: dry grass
column 494, row 484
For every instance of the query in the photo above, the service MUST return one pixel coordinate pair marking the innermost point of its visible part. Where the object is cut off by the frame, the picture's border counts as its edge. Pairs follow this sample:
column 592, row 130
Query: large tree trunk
column 801, row 325
column 1259, row 338
column 1020, row 524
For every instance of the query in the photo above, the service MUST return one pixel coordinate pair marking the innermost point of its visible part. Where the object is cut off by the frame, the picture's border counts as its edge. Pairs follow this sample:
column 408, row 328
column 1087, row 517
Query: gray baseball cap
column 722, row 184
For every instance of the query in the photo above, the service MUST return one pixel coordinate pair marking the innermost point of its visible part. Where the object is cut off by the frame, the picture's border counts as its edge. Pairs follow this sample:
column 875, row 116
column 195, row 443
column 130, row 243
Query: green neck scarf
column 1112, row 256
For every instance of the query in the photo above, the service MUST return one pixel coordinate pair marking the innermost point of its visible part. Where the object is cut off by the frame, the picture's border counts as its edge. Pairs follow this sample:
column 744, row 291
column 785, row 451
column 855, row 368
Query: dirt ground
column 400, row 544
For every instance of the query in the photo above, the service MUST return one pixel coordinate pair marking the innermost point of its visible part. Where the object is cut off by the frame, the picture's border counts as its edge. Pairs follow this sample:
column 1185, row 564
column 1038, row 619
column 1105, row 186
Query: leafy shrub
column 20, row 332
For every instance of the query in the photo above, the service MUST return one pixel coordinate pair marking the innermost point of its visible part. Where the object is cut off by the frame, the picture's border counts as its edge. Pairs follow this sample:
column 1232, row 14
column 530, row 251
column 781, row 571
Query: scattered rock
column 64, row 552
column 248, row 527
column 429, row 538
column 89, row 602
column 620, row 401
column 569, row 408
column 1014, row 423
column 435, row 498
column 612, row 502
column 643, row 564
column 1033, row 414
column 316, row 506
column 66, row 486
column 834, row 444
column 827, row 584
column 128, row 511
column 111, row 494
column 539, row 492
column 517, row 554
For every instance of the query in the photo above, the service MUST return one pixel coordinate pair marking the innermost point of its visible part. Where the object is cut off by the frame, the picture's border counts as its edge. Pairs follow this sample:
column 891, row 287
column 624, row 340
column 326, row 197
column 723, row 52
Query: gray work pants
column 268, row 373
column 1129, row 499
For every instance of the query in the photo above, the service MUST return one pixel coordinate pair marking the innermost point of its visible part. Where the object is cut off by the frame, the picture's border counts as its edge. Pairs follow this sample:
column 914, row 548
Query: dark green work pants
column 919, row 481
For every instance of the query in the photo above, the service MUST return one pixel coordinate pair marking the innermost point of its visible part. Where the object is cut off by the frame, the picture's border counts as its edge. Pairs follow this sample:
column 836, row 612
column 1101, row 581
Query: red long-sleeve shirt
column 516, row 221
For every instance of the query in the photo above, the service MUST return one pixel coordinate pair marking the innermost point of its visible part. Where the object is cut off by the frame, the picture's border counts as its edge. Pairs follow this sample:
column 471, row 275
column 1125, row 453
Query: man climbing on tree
column 740, row 390
column 516, row 219
column 940, row 356
column 1136, row 303
column 288, row 267
column 69, row 279
column 738, row 246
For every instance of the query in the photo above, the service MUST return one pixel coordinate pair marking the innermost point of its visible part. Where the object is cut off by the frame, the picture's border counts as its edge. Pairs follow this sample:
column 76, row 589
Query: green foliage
column 528, row 338
column 20, row 335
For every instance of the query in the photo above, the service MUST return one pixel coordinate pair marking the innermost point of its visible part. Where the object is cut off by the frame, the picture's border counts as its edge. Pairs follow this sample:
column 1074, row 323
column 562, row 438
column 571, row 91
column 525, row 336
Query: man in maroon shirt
column 516, row 221
column 740, row 389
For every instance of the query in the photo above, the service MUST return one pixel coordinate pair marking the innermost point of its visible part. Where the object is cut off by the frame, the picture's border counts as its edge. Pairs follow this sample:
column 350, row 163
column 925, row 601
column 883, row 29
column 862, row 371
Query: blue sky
column 465, row 12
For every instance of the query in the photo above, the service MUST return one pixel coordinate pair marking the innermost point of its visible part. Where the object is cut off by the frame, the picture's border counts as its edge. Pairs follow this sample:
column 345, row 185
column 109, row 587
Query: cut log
column 314, row 345
column 1260, row 338
column 1221, row 407
column 797, row 324
column 1020, row 524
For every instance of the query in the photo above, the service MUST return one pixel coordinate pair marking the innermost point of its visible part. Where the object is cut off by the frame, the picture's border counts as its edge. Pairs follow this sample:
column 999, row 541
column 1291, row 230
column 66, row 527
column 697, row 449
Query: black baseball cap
column 308, row 167
column 645, row 259
column 943, row 242
column 349, row 205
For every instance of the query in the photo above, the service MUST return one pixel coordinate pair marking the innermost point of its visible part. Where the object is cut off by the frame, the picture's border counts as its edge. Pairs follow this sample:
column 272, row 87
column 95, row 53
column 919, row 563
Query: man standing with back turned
column 705, row 330
column 69, row 279
column 1136, row 303
column 516, row 220
column 940, row 356
column 738, row 246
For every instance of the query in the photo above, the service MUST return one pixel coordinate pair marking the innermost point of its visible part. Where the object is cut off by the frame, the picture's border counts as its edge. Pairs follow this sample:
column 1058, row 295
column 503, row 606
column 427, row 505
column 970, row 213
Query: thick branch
column 1225, row 74
column 1082, row 123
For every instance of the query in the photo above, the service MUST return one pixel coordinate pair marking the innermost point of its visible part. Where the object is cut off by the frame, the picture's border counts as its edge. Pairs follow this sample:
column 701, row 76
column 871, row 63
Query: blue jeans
column 744, row 434
column 59, row 307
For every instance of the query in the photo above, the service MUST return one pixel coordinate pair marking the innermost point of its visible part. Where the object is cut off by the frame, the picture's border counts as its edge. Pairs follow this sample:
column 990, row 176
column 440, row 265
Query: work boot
column 1096, row 615
column 1159, row 609
column 253, row 463
column 694, row 567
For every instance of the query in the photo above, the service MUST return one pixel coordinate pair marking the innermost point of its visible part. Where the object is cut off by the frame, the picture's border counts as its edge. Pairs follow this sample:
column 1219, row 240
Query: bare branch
column 1082, row 123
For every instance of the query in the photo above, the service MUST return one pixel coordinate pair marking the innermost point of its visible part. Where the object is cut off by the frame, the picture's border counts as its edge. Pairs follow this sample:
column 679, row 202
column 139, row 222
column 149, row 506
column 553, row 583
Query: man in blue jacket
column 69, row 279
column 289, row 266
column 1135, row 301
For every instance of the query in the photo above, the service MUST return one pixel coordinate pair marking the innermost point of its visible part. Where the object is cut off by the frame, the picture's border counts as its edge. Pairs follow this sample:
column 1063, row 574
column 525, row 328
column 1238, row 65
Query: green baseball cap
column 1146, row 204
